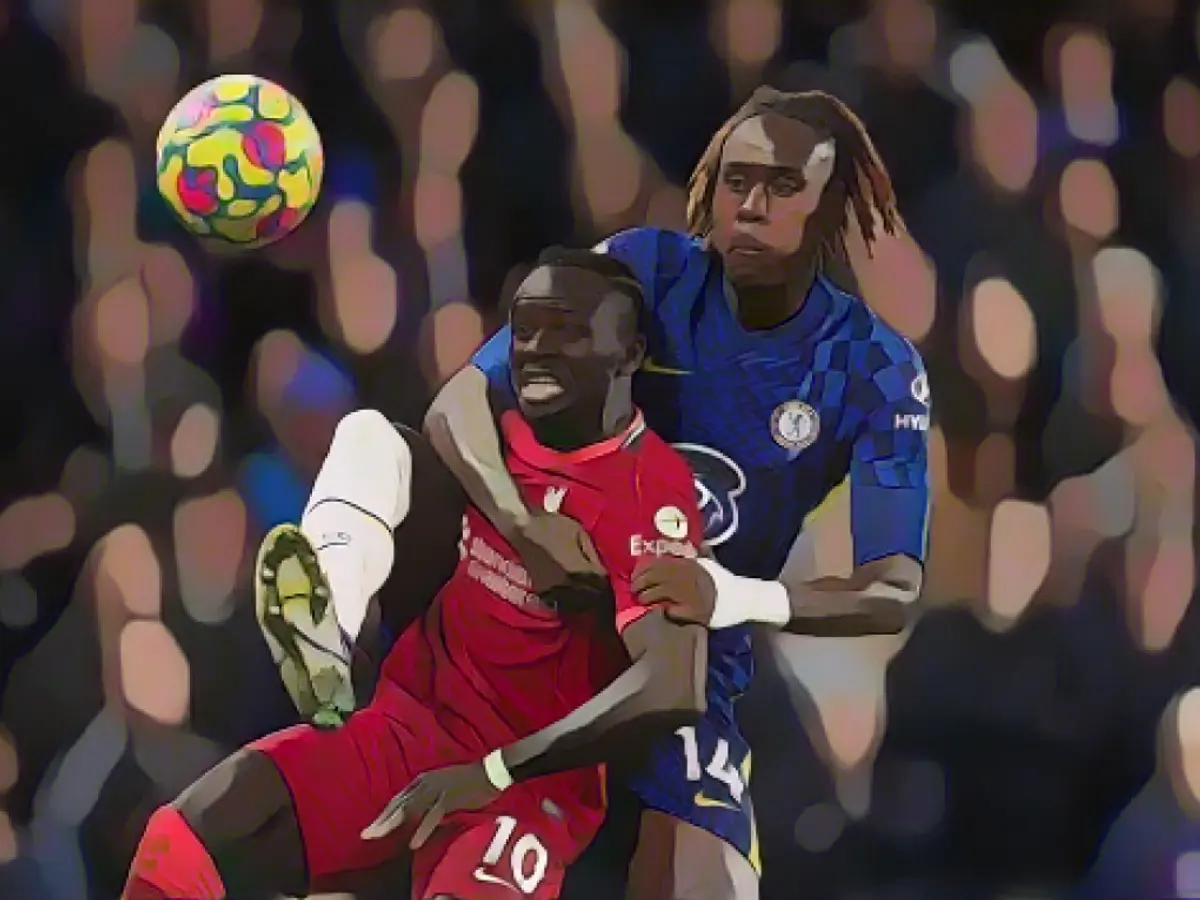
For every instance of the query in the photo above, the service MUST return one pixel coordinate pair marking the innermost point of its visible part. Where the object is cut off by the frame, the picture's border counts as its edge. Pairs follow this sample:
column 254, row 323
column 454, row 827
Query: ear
column 634, row 354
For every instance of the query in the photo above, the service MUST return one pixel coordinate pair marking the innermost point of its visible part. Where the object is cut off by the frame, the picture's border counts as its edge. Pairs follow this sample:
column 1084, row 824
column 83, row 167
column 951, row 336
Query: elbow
column 897, row 594
column 911, row 610
column 892, row 616
column 893, row 610
column 363, row 424
column 908, row 606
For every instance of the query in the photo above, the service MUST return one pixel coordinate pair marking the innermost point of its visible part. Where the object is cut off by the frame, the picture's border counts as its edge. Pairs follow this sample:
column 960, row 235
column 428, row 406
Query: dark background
column 162, row 407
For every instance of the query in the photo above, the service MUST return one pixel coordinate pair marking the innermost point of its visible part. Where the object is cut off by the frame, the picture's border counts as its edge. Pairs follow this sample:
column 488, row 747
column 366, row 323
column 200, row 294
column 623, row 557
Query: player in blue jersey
column 777, row 387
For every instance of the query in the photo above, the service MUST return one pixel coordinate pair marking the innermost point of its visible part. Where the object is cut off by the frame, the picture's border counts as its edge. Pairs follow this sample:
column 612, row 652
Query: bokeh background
column 162, row 407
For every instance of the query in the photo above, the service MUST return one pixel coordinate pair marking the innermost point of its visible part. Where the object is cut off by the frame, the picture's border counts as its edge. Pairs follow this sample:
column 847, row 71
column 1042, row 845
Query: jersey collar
column 521, row 439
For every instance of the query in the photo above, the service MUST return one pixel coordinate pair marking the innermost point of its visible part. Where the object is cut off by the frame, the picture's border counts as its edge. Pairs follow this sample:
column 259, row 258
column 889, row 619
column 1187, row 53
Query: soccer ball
column 239, row 161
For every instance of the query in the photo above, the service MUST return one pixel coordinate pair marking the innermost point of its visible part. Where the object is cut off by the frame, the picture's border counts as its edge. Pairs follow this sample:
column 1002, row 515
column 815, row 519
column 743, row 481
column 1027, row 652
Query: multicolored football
column 240, row 161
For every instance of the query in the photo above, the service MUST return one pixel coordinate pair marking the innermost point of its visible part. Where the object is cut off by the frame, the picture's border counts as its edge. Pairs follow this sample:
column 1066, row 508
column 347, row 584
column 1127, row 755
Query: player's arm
column 889, row 498
column 876, row 598
column 462, row 428
column 889, row 514
column 662, row 690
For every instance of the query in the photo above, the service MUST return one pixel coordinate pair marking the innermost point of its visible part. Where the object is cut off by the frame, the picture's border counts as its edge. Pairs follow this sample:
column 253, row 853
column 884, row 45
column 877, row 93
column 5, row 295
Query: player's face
column 772, row 173
column 571, row 339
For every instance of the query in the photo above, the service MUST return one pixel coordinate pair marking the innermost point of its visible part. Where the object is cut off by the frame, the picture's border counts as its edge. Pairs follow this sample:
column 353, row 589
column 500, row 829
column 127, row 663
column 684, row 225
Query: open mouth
column 539, row 386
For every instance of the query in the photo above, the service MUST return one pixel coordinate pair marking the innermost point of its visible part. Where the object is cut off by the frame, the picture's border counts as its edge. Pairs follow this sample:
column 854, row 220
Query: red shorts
column 341, row 779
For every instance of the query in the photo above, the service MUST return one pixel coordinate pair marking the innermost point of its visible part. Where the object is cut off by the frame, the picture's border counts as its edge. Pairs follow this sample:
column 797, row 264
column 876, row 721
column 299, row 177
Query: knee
column 365, row 439
column 235, row 799
column 241, row 812
column 368, row 426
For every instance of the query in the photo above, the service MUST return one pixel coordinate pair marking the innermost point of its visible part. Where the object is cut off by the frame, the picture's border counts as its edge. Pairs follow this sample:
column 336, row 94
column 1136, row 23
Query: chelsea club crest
column 795, row 425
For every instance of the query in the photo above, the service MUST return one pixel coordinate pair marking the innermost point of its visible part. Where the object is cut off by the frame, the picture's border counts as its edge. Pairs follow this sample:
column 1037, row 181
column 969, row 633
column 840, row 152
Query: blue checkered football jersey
column 772, row 421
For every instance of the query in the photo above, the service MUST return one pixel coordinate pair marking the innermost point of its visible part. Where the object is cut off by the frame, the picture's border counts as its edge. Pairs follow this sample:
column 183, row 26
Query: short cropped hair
column 618, row 275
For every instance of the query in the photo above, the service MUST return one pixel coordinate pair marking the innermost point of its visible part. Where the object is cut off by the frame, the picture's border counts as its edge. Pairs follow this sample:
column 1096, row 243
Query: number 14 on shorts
column 718, row 767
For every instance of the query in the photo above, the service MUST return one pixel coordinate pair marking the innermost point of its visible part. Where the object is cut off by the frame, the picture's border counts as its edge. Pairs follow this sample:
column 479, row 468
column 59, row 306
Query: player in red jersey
column 491, row 681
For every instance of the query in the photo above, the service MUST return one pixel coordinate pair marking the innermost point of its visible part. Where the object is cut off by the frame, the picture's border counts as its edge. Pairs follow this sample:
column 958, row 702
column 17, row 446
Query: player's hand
column 430, row 798
column 561, row 560
column 682, row 586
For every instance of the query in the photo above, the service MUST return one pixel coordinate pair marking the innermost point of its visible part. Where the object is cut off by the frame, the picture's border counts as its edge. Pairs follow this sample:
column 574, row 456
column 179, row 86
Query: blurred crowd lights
column 365, row 288
column 129, row 315
column 1181, row 117
column 142, row 659
column 1002, row 117
column 231, row 27
column 1018, row 557
column 155, row 677
column 8, row 778
column 1088, row 198
column 1002, row 328
column 195, row 441
column 212, row 540
column 1084, row 74
column 128, row 579
column 401, row 44
column 448, row 338
column 34, row 526
column 747, row 33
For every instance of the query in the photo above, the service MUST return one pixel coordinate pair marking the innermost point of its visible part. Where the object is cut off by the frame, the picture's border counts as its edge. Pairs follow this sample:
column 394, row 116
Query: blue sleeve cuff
column 888, row 521
column 492, row 357
column 492, row 360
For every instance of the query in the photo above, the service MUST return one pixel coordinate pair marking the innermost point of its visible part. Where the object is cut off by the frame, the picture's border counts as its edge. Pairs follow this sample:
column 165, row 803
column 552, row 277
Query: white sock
column 362, row 492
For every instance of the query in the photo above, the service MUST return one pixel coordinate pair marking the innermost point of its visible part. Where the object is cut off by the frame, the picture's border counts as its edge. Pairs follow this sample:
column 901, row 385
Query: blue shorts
column 702, row 776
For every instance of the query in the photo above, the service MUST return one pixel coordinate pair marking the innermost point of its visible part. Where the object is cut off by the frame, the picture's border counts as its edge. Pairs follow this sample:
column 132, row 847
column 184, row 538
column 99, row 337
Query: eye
column 735, row 181
column 786, row 186
column 576, row 331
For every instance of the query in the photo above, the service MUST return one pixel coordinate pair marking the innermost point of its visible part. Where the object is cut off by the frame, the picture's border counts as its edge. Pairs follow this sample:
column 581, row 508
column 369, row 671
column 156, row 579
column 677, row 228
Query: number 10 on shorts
column 528, row 858
column 718, row 767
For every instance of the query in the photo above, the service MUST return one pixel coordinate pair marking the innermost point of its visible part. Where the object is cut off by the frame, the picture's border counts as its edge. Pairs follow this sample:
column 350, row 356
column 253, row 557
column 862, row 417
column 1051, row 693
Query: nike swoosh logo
column 649, row 365
column 701, row 800
column 488, row 878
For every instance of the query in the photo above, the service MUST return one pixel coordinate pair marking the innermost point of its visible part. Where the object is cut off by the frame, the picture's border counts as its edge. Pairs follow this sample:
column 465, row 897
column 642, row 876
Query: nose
column 527, row 339
column 537, row 344
column 754, row 206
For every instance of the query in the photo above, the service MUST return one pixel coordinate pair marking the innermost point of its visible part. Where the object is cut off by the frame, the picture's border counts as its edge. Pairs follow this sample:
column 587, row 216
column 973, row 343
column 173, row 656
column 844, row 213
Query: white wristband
column 497, row 772
column 740, row 600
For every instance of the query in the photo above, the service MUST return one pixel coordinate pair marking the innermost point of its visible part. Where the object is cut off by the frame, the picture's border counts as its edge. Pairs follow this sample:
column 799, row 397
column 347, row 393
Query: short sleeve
column 638, row 248
column 889, row 467
column 661, row 520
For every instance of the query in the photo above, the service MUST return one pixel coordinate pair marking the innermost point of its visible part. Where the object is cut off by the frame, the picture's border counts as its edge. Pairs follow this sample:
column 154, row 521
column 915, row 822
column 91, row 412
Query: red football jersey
column 489, row 657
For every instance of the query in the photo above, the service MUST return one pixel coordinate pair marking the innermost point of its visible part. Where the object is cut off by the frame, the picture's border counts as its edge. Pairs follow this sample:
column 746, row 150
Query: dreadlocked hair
column 859, row 179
